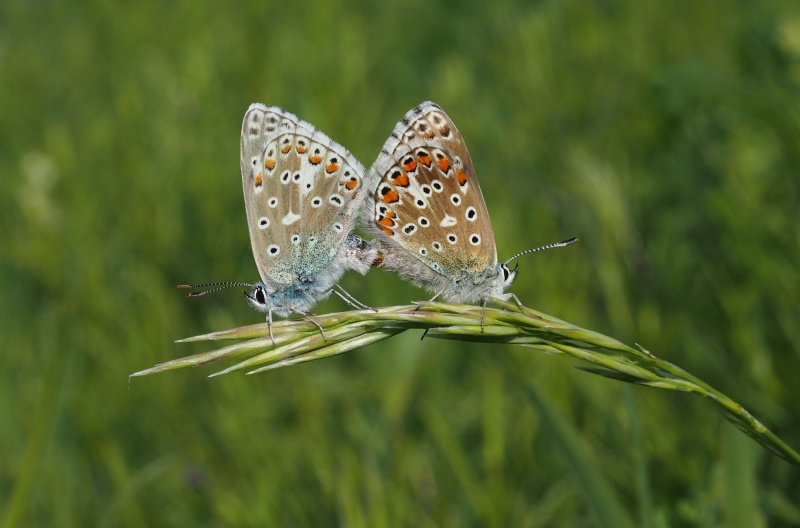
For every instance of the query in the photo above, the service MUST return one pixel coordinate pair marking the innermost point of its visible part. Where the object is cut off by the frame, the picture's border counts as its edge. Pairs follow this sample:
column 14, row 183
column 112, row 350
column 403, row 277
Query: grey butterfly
column 302, row 194
column 429, row 216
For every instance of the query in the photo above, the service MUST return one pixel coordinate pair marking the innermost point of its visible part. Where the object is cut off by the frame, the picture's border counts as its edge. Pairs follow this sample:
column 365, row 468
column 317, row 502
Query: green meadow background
column 665, row 134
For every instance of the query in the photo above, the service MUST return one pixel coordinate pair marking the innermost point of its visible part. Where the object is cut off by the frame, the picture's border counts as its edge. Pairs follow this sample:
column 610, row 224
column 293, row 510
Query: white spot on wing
column 448, row 221
column 290, row 218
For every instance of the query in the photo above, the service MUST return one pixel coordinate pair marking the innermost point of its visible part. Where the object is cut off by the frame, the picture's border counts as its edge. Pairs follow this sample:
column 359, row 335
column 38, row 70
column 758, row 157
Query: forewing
column 428, row 200
column 301, row 194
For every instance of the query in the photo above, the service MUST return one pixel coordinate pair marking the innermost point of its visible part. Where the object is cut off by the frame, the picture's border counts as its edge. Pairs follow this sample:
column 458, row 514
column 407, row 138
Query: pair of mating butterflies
column 304, row 194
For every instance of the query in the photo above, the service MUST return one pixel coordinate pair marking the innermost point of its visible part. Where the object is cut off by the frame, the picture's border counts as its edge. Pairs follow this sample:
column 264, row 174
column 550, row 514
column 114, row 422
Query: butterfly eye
column 259, row 295
column 508, row 274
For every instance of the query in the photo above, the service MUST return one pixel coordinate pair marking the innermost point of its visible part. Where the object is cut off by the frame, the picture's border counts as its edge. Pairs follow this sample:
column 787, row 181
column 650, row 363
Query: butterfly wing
column 300, row 192
column 428, row 201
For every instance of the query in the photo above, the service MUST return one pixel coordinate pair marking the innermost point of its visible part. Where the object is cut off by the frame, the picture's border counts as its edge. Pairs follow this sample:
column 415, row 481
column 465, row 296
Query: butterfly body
column 429, row 218
column 308, row 288
column 457, row 286
column 302, row 196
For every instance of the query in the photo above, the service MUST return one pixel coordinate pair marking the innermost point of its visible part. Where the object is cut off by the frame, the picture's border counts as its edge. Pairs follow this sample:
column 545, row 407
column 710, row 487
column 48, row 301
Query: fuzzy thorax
column 465, row 287
column 298, row 297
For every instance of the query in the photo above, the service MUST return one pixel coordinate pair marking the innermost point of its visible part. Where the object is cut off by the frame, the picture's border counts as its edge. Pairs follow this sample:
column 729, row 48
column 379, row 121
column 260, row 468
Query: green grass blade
column 300, row 341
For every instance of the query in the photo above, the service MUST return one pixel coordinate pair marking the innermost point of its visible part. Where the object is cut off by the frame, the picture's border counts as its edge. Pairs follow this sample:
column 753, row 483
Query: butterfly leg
column 521, row 307
column 483, row 312
column 439, row 293
column 269, row 325
column 321, row 330
column 349, row 299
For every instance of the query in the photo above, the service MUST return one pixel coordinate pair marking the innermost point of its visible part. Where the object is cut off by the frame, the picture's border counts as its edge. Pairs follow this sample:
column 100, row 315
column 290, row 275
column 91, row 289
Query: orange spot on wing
column 331, row 168
column 444, row 164
column 391, row 197
column 301, row 149
column 425, row 159
column 386, row 221
column 286, row 148
column 462, row 178
column 269, row 163
column 259, row 179
column 410, row 165
column 388, row 232
column 352, row 184
column 314, row 159
column 401, row 180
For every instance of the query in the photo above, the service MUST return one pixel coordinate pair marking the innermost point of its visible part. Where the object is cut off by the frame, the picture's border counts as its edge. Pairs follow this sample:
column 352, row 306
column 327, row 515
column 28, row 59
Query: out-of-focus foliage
column 666, row 135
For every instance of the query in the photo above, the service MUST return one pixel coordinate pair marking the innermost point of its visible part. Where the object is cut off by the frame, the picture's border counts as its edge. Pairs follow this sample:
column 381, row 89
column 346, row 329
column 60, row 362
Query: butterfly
column 302, row 195
column 429, row 218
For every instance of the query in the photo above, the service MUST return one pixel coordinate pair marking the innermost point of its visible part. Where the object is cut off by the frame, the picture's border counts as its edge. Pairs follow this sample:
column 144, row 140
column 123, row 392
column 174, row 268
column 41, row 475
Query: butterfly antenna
column 548, row 246
column 214, row 286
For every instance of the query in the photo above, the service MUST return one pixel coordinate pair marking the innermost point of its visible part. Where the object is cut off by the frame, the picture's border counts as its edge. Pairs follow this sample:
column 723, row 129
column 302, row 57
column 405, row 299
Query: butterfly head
column 506, row 275
column 258, row 297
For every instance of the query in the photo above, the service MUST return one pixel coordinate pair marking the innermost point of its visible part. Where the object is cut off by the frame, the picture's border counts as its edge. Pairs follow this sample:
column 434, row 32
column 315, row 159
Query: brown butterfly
column 428, row 214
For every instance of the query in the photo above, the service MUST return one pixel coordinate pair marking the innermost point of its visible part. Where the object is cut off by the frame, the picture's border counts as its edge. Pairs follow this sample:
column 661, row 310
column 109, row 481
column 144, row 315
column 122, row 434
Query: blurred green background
column 665, row 134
